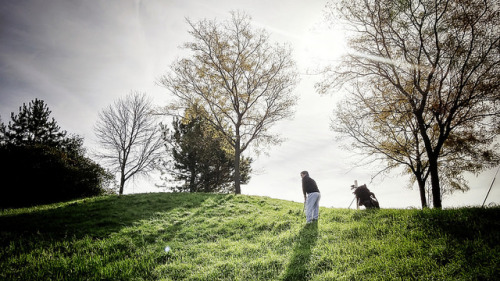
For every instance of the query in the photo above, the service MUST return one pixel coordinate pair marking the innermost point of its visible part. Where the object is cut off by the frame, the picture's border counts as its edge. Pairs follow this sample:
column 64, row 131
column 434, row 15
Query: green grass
column 228, row 237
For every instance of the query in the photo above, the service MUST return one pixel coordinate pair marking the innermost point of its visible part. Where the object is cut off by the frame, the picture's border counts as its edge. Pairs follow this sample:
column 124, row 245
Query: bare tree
column 443, row 59
column 129, row 136
column 242, row 82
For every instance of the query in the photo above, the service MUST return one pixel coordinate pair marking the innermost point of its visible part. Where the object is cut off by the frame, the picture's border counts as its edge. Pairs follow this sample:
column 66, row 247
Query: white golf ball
column 167, row 249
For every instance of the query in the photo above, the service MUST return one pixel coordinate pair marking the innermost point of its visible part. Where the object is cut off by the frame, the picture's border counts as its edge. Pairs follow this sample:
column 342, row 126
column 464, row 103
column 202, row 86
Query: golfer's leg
column 309, row 208
column 316, row 206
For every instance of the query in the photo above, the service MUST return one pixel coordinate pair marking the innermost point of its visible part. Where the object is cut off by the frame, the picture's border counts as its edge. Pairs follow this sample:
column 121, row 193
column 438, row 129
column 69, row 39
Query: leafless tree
column 129, row 136
column 442, row 57
column 242, row 82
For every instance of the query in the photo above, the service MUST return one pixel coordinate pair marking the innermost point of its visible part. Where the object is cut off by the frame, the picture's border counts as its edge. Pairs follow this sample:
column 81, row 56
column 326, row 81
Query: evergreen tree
column 32, row 125
column 201, row 159
column 46, row 165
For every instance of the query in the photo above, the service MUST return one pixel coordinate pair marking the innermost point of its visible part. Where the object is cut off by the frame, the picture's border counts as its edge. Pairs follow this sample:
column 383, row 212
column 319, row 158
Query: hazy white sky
column 79, row 56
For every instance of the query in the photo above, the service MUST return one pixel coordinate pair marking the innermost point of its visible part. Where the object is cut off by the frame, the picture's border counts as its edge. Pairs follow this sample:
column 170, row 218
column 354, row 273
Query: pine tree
column 32, row 126
column 48, row 166
column 201, row 160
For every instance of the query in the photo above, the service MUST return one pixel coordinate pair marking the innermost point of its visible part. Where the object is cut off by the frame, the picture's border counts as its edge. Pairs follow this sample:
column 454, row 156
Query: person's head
column 304, row 174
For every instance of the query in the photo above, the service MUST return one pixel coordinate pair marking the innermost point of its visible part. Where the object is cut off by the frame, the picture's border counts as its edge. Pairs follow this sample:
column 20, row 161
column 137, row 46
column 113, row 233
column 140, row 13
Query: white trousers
column 312, row 206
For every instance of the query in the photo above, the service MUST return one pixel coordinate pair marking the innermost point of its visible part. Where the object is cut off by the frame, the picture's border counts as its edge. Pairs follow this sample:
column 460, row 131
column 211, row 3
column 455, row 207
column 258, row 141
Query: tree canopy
column 244, row 83
column 434, row 61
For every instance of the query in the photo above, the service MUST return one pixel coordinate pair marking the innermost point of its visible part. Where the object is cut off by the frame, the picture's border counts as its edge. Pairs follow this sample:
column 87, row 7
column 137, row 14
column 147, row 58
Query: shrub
column 42, row 174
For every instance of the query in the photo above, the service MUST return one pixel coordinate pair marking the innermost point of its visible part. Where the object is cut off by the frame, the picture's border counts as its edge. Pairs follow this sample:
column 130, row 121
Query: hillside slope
column 228, row 237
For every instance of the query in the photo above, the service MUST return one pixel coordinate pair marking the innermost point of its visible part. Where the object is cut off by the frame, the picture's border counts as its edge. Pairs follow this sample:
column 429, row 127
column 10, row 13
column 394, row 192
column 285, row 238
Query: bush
column 42, row 174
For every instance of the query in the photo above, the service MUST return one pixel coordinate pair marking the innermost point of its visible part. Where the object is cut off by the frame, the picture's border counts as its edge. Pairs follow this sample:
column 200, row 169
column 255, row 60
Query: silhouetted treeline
column 40, row 164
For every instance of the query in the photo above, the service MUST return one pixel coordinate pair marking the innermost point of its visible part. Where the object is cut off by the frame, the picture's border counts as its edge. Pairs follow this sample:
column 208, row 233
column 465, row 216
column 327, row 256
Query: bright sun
column 322, row 46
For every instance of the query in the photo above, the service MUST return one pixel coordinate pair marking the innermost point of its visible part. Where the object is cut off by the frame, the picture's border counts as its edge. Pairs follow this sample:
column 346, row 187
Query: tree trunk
column 192, row 180
column 432, row 155
column 237, row 152
column 436, row 189
column 421, row 188
column 122, row 183
column 122, row 172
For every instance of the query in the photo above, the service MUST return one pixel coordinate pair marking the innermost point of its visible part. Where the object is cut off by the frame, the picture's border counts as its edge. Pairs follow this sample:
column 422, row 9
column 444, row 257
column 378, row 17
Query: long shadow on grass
column 466, row 237
column 306, row 239
column 461, row 224
column 96, row 218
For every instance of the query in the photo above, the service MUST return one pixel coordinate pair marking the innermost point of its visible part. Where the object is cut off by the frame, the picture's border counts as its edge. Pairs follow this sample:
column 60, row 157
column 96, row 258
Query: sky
column 80, row 56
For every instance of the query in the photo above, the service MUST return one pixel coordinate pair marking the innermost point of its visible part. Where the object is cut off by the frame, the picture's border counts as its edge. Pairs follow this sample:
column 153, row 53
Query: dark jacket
column 363, row 193
column 309, row 185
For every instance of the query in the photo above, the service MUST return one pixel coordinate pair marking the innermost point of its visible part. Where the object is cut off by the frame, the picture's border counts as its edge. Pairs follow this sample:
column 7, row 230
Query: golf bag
column 365, row 197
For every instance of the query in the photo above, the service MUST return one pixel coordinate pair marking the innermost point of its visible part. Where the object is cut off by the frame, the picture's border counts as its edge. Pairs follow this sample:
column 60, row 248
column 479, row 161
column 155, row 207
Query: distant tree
column 242, row 82
column 442, row 57
column 129, row 136
column 44, row 164
column 201, row 158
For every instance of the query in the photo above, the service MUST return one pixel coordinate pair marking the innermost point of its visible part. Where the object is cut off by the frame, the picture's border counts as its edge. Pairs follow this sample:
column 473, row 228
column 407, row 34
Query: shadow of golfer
column 298, row 267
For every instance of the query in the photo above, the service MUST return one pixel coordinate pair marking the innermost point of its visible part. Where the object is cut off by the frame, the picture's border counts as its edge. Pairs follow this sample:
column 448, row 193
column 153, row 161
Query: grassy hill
column 228, row 237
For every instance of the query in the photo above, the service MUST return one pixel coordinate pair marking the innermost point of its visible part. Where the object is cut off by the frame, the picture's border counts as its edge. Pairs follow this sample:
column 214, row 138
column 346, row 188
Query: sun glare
column 322, row 46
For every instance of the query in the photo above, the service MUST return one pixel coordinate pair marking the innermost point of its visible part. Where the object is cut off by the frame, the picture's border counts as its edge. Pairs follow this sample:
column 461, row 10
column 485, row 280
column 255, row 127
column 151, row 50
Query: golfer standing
column 311, row 197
